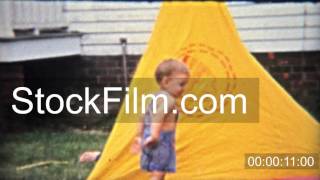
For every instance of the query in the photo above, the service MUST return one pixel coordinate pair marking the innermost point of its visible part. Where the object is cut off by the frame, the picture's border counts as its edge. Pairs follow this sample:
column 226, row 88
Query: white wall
column 277, row 27
column 5, row 19
column 36, row 15
column 33, row 49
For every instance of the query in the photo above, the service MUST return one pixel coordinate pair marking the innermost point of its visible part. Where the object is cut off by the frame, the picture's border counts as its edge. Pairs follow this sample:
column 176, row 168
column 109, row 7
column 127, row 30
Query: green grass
column 32, row 147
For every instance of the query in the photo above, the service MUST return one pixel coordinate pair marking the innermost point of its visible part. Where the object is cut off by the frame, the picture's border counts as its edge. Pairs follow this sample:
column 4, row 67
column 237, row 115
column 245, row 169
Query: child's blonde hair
column 167, row 67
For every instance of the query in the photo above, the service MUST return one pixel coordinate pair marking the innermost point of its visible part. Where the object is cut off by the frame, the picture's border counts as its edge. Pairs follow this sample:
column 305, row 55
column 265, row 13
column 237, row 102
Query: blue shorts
column 162, row 157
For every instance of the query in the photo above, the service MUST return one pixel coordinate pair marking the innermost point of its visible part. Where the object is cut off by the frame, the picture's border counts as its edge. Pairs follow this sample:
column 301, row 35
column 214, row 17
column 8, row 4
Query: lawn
column 18, row 150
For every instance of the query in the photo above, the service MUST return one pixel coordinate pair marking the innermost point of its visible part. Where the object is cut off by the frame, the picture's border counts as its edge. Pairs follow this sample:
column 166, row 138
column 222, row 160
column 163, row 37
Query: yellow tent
column 189, row 30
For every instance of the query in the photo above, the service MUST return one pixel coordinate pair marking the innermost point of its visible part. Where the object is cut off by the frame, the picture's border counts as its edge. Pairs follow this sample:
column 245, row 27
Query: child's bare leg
column 157, row 175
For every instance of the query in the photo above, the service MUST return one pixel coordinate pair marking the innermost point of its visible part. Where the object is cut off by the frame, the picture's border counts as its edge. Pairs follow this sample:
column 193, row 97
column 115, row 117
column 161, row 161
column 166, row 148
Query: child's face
column 175, row 83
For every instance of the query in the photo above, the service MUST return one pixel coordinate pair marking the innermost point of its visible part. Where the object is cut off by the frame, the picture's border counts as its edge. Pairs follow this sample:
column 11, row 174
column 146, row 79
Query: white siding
column 38, row 15
column 35, row 15
column 274, row 27
column 5, row 19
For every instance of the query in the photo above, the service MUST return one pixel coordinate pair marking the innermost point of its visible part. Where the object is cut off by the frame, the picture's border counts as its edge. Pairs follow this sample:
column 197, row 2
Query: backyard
column 48, row 155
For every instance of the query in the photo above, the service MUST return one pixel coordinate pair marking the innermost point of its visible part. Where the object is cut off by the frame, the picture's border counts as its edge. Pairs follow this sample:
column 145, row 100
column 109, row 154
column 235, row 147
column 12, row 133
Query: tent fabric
column 188, row 30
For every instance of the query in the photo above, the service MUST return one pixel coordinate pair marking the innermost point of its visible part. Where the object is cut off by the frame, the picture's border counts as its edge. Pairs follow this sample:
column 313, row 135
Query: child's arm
column 89, row 156
column 158, row 120
column 136, row 145
column 140, row 126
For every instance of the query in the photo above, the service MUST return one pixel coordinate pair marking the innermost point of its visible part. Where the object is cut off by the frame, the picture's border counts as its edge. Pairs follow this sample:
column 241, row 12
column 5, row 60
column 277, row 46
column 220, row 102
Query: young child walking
column 156, row 131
